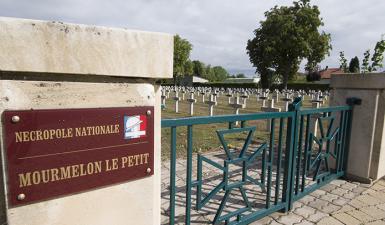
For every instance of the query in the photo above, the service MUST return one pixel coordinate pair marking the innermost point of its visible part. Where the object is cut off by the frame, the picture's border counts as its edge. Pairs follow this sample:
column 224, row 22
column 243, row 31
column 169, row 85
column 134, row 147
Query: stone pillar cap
column 56, row 47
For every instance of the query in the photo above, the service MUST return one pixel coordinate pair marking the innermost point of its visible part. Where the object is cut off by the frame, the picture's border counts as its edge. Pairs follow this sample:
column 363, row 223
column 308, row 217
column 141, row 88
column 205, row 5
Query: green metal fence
column 305, row 149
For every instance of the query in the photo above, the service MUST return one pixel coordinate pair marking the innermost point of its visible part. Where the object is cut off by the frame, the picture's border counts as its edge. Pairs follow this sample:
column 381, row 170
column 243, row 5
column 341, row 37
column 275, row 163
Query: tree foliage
column 365, row 62
column 183, row 66
column 199, row 68
column 354, row 65
column 288, row 35
column 343, row 62
column 219, row 74
column 376, row 60
column 182, row 49
column 313, row 76
column 378, row 55
column 188, row 68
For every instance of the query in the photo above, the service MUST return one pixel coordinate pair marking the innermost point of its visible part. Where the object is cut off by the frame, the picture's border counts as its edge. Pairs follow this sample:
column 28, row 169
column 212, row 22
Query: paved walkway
column 340, row 202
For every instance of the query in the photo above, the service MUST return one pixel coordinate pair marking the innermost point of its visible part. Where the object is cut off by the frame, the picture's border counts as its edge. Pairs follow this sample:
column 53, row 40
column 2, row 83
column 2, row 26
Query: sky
column 217, row 29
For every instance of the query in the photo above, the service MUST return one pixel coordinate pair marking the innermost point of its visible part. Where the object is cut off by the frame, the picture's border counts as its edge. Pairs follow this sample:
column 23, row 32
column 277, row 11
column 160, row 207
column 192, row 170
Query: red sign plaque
column 56, row 152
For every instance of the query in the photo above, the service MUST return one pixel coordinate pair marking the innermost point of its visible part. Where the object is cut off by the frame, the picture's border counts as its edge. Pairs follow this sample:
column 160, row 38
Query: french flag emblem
column 135, row 126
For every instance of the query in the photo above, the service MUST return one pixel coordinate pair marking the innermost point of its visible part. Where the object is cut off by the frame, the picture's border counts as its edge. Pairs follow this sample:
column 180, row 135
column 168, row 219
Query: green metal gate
column 306, row 148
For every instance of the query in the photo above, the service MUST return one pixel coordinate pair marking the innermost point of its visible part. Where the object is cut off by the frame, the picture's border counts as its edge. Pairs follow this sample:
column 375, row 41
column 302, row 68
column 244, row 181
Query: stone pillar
column 101, row 70
column 366, row 159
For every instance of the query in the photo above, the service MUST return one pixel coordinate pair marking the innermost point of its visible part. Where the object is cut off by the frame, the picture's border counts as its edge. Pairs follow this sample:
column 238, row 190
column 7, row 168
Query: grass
column 205, row 138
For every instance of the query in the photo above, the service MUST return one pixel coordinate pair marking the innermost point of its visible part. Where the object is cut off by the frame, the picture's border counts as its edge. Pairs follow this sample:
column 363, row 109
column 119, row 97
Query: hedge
column 303, row 86
column 293, row 86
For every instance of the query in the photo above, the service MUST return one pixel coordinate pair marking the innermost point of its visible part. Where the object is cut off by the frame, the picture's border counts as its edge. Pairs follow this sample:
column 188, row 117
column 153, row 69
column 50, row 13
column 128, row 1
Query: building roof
column 326, row 73
column 242, row 80
column 199, row 79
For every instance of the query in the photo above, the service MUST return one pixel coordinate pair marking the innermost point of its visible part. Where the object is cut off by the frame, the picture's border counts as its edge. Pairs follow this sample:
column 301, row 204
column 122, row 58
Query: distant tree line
column 184, row 66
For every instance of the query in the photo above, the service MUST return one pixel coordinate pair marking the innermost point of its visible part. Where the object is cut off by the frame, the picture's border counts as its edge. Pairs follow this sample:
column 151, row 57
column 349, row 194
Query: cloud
column 218, row 29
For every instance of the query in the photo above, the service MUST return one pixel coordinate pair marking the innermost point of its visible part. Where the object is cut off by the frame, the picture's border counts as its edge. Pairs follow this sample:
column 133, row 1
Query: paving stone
column 357, row 204
column 359, row 189
column 290, row 219
column 305, row 211
column 378, row 222
column 369, row 192
column 329, row 221
column 378, row 195
column 305, row 200
column 318, row 193
column 330, row 208
column 277, row 215
column 346, row 219
column 338, row 182
column 361, row 216
column 381, row 206
column 297, row 204
column 275, row 223
column 381, row 182
column 305, row 222
column 374, row 212
column 368, row 200
column 349, row 186
column 349, row 195
column 318, row 204
column 345, row 208
column 339, row 191
column 263, row 221
column 329, row 187
column 340, row 201
column 317, row 216
column 329, row 197
column 377, row 187
column 365, row 185
column 335, row 203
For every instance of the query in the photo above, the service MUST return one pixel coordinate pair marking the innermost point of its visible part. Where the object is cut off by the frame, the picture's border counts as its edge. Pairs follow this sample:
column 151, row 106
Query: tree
column 182, row 49
column 377, row 58
column 287, row 36
column 313, row 76
column 365, row 62
column 199, row 68
column 378, row 55
column 354, row 65
column 188, row 68
column 209, row 73
column 343, row 62
column 220, row 74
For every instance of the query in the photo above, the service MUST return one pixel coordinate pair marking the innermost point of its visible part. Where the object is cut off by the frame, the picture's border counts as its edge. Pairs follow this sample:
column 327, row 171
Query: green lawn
column 204, row 136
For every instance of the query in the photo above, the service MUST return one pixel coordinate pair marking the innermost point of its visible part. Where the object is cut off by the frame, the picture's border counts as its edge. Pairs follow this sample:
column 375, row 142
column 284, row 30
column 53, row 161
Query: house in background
column 326, row 74
column 190, row 80
column 247, row 80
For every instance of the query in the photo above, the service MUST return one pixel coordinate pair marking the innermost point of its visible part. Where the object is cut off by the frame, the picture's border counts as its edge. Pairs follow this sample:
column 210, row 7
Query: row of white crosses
column 317, row 97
